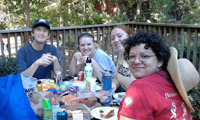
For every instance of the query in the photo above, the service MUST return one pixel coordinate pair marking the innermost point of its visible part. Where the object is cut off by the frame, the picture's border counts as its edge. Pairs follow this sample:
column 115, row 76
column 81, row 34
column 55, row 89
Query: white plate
column 96, row 114
column 116, row 95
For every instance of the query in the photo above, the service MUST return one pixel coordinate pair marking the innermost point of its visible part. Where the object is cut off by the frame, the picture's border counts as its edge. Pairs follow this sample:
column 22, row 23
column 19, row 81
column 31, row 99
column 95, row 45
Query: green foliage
column 120, row 16
column 194, row 97
column 95, row 18
column 17, row 12
column 72, row 40
column 140, row 19
column 131, row 2
column 193, row 15
column 185, row 48
column 2, row 27
column 160, row 9
column 7, row 66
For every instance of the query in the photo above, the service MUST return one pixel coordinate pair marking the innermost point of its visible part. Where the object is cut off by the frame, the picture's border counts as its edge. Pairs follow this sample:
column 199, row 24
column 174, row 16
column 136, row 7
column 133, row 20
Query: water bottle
column 106, row 93
column 88, row 69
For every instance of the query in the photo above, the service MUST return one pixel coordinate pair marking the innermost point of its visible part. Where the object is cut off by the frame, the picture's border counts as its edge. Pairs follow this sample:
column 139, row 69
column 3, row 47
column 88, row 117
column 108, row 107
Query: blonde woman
column 101, row 61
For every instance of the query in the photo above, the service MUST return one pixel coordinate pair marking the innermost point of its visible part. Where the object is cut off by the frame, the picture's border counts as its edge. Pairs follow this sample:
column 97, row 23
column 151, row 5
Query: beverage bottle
column 58, row 78
column 106, row 90
column 39, row 86
column 52, row 85
column 88, row 69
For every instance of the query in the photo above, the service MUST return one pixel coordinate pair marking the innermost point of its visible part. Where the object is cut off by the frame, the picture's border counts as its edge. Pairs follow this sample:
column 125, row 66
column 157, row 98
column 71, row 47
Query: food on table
column 101, row 111
column 108, row 115
column 121, row 96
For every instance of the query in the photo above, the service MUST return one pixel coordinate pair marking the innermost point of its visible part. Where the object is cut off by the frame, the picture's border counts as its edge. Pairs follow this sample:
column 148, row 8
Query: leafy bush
column 7, row 66
column 194, row 97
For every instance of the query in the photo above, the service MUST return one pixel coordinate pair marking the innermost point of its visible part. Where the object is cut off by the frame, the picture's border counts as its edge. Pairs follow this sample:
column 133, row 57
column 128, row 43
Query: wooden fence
column 181, row 36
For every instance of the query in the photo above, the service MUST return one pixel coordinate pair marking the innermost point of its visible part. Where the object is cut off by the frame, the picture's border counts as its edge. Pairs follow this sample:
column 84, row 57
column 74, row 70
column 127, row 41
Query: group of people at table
column 154, row 79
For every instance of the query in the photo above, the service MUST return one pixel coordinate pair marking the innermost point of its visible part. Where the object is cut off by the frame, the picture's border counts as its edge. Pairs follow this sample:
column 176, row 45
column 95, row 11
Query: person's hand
column 78, row 55
column 83, row 59
column 114, row 87
column 54, row 58
column 45, row 60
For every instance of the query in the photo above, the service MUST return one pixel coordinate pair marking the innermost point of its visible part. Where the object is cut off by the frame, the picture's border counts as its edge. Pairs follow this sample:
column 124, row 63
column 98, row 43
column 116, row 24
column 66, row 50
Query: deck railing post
column 179, row 36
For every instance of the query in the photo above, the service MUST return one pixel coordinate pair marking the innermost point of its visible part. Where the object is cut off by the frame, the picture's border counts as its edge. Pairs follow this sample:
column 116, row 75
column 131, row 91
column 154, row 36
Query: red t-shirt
column 153, row 98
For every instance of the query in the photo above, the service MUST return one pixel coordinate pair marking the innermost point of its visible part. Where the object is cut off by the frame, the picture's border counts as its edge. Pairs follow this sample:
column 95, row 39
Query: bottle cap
column 88, row 60
column 39, row 82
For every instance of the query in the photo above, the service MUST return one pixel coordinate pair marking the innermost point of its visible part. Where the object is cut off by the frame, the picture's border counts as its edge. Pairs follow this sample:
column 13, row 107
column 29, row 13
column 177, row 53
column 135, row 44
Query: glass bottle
column 39, row 86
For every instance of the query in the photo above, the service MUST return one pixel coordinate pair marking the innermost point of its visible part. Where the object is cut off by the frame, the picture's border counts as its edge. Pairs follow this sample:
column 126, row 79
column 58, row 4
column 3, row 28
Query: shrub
column 7, row 66
column 194, row 97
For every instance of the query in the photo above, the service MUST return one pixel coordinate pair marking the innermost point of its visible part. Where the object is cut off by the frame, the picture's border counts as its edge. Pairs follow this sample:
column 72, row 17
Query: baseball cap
column 41, row 22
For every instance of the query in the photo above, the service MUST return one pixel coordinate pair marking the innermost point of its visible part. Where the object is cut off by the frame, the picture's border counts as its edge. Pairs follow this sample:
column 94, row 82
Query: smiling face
column 142, row 69
column 40, row 34
column 117, row 37
column 87, row 46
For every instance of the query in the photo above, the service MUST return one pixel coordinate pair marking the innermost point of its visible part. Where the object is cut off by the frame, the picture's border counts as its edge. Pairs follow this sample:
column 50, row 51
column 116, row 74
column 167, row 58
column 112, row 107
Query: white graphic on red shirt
column 173, row 110
column 168, row 95
column 128, row 101
column 184, row 110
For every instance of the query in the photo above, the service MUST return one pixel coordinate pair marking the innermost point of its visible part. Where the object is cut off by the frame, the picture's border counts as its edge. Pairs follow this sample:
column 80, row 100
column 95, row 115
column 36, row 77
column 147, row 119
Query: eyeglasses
column 142, row 58
column 41, row 30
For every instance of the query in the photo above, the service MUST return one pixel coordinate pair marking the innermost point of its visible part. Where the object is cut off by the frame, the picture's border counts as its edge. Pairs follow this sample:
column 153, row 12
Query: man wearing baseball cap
column 37, row 59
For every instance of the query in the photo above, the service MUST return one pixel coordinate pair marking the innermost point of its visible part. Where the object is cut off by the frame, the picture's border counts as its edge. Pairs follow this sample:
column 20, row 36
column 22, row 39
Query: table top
column 98, row 104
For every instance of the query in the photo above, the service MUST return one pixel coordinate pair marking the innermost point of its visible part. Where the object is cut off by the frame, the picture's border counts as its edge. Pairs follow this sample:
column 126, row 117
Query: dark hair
column 85, row 35
column 125, row 28
column 151, row 40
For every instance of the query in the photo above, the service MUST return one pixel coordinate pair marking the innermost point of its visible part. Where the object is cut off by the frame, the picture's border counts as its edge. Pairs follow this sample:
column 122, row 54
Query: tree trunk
column 139, row 4
column 26, row 14
column 64, row 10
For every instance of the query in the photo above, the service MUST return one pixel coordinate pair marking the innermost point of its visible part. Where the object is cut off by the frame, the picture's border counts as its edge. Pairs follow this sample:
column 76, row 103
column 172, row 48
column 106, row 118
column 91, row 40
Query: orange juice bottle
column 39, row 86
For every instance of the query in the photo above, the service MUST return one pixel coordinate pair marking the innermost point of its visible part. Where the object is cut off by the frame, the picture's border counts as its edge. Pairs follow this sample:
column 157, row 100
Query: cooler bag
column 14, row 103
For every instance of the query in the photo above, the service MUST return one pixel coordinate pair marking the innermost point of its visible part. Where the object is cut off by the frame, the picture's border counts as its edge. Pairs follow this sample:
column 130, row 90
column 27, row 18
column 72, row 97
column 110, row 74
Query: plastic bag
column 29, row 83
column 35, row 99
column 87, row 97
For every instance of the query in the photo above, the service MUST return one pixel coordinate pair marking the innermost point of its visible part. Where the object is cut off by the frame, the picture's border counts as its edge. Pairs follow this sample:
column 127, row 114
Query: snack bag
column 71, row 97
column 29, row 83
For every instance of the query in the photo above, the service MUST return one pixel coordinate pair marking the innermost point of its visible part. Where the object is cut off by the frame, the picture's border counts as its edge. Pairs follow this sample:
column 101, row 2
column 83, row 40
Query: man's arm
column 56, row 65
column 31, row 70
column 45, row 60
column 22, row 64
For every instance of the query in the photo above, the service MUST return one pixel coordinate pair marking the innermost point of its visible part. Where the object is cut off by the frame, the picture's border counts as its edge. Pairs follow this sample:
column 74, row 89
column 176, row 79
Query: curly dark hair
column 151, row 40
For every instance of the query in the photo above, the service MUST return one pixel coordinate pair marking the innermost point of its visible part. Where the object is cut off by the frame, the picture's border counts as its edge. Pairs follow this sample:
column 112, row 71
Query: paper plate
column 96, row 114
column 120, row 96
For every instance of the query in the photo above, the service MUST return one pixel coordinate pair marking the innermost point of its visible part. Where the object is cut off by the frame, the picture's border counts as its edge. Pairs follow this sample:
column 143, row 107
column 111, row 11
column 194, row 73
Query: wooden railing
column 183, row 37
